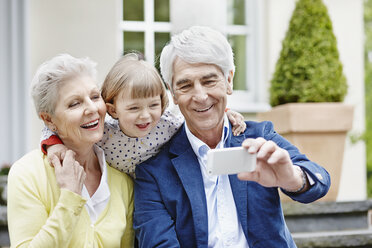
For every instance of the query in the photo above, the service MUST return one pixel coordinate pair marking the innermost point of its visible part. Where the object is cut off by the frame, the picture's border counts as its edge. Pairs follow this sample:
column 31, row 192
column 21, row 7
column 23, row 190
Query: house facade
column 34, row 31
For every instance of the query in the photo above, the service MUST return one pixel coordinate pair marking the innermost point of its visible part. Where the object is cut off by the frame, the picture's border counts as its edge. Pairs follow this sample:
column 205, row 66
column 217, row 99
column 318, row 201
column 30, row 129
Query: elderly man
column 177, row 204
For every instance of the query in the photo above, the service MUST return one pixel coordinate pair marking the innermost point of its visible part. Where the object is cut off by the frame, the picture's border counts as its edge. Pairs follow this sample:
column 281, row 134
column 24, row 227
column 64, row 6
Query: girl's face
column 137, row 117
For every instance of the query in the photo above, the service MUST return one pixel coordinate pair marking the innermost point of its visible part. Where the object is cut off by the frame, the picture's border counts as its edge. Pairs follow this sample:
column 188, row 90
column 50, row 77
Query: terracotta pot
column 318, row 130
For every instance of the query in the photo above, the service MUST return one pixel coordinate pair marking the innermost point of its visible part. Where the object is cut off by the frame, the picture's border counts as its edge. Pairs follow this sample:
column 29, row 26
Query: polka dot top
column 124, row 153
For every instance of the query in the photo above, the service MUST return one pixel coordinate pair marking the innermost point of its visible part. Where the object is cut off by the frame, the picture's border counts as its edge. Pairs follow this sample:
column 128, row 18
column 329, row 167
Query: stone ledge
column 296, row 208
column 354, row 238
column 327, row 216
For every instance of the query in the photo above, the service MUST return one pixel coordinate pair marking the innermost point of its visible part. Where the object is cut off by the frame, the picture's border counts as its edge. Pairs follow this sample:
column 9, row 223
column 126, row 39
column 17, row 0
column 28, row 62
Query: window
column 146, row 27
column 242, row 30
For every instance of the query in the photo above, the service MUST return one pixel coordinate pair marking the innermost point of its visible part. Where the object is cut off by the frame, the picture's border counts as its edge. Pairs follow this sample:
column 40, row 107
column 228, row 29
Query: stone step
column 350, row 238
column 330, row 224
column 327, row 216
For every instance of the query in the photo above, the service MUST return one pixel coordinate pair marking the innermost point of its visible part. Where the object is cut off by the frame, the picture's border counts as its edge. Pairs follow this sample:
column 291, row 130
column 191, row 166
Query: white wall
column 347, row 19
column 79, row 27
column 185, row 14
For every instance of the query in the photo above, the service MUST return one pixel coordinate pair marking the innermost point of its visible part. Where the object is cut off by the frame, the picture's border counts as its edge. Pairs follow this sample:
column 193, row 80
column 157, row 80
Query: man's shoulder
column 258, row 129
column 169, row 150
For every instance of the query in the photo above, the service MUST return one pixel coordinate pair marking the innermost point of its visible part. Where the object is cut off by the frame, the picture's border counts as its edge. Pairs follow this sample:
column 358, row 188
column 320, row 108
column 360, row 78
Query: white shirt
column 97, row 203
column 224, row 228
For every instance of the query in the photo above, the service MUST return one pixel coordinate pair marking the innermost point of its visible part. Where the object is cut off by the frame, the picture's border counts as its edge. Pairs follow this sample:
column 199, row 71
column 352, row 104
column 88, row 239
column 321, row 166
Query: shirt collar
column 102, row 161
column 103, row 191
column 197, row 143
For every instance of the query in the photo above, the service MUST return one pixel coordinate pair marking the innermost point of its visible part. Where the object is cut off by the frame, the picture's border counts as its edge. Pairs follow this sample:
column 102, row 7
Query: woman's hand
column 58, row 150
column 237, row 122
column 70, row 175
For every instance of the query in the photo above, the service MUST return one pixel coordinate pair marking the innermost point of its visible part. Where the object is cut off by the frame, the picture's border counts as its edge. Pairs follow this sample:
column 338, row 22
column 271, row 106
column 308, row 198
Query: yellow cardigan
column 40, row 214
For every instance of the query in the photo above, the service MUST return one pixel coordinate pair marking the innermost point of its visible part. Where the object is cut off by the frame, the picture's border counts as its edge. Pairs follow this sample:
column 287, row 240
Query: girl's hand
column 237, row 122
column 70, row 175
column 57, row 150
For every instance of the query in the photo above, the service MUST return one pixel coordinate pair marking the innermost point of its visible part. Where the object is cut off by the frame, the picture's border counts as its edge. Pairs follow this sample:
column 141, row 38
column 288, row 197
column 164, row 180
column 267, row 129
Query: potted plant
column 307, row 90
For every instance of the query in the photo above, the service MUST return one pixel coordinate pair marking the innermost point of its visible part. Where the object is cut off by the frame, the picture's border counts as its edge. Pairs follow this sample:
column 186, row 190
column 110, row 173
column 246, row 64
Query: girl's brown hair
column 132, row 72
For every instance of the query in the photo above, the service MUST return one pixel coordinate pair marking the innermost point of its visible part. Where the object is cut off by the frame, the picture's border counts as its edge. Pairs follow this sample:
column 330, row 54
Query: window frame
column 148, row 26
column 252, row 100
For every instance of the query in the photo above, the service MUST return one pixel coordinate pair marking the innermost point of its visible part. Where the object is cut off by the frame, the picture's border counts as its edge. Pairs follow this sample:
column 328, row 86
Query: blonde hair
column 132, row 72
column 51, row 74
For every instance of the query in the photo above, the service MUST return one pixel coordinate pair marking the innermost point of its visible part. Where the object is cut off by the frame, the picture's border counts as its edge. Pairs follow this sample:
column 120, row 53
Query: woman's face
column 80, row 113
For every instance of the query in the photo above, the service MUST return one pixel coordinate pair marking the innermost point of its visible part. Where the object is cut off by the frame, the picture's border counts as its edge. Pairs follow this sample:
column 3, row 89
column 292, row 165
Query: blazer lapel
column 187, row 166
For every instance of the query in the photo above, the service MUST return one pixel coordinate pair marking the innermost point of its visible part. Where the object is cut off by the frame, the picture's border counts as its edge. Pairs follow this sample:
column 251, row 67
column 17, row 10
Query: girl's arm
column 49, row 138
column 52, row 145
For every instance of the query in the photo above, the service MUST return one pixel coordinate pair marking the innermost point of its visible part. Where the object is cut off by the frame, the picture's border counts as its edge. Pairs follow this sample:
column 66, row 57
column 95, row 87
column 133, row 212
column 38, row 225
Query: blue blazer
column 170, row 202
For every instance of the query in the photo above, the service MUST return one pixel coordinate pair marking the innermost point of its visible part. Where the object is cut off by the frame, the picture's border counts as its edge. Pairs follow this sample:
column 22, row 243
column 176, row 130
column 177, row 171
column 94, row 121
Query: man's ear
column 172, row 92
column 112, row 110
column 230, row 82
column 47, row 118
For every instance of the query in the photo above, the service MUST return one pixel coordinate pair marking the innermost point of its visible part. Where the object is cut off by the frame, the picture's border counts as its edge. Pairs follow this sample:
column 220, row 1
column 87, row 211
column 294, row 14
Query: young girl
column 139, row 122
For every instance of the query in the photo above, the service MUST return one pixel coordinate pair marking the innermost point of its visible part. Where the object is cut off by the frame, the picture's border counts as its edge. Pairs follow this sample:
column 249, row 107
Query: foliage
column 308, row 69
column 4, row 169
column 368, row 90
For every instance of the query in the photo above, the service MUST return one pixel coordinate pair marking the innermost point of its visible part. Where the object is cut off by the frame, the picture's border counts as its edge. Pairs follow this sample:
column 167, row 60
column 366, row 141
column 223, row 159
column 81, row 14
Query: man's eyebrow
column 205, row 77
column 182, row 81
column 210, row 75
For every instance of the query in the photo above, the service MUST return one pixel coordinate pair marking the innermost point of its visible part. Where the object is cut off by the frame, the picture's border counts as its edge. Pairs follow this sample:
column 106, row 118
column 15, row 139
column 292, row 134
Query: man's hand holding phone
column 274, row 166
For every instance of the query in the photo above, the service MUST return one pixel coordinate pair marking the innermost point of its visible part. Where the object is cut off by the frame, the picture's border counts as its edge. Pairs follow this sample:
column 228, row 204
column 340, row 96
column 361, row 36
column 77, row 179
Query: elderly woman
column 80, row 202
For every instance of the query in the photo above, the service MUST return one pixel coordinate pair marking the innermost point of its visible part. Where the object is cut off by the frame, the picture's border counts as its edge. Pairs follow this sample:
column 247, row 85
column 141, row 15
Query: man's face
column 201, row 92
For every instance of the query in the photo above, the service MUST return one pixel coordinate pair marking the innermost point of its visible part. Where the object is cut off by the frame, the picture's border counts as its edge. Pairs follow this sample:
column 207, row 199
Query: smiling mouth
column 143, row 126
column 90, row 125
column 204, row 110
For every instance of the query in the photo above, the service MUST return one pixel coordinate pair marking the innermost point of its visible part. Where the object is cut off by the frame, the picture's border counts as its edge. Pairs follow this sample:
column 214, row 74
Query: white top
column 224, row 228
column 123, row 152
column 97, row 203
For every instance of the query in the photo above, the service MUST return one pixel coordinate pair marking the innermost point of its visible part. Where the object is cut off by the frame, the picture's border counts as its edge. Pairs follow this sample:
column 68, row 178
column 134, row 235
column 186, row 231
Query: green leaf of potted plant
column 307, row 90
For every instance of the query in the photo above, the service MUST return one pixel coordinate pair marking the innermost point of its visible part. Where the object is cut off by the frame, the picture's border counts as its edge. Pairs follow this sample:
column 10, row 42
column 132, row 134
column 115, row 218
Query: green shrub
column 368, row 91
column 308, row 69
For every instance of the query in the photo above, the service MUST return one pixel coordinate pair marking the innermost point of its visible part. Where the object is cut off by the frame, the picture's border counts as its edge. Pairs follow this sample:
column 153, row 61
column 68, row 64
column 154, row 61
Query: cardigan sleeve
column 30, row 222
column 128, row 237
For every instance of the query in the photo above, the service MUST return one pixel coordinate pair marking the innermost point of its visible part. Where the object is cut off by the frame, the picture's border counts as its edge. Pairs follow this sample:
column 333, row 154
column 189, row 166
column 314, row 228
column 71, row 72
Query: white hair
column 197, row 45
column 52, row 73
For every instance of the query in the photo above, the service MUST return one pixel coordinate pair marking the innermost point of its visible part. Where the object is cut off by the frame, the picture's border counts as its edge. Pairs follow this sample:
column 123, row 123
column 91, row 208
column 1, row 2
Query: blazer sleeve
column 30, row 222
column 322, row 180
column 153, row 224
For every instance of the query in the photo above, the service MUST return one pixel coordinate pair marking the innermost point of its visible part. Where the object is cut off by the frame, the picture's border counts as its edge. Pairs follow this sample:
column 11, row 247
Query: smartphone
column 230, row 161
